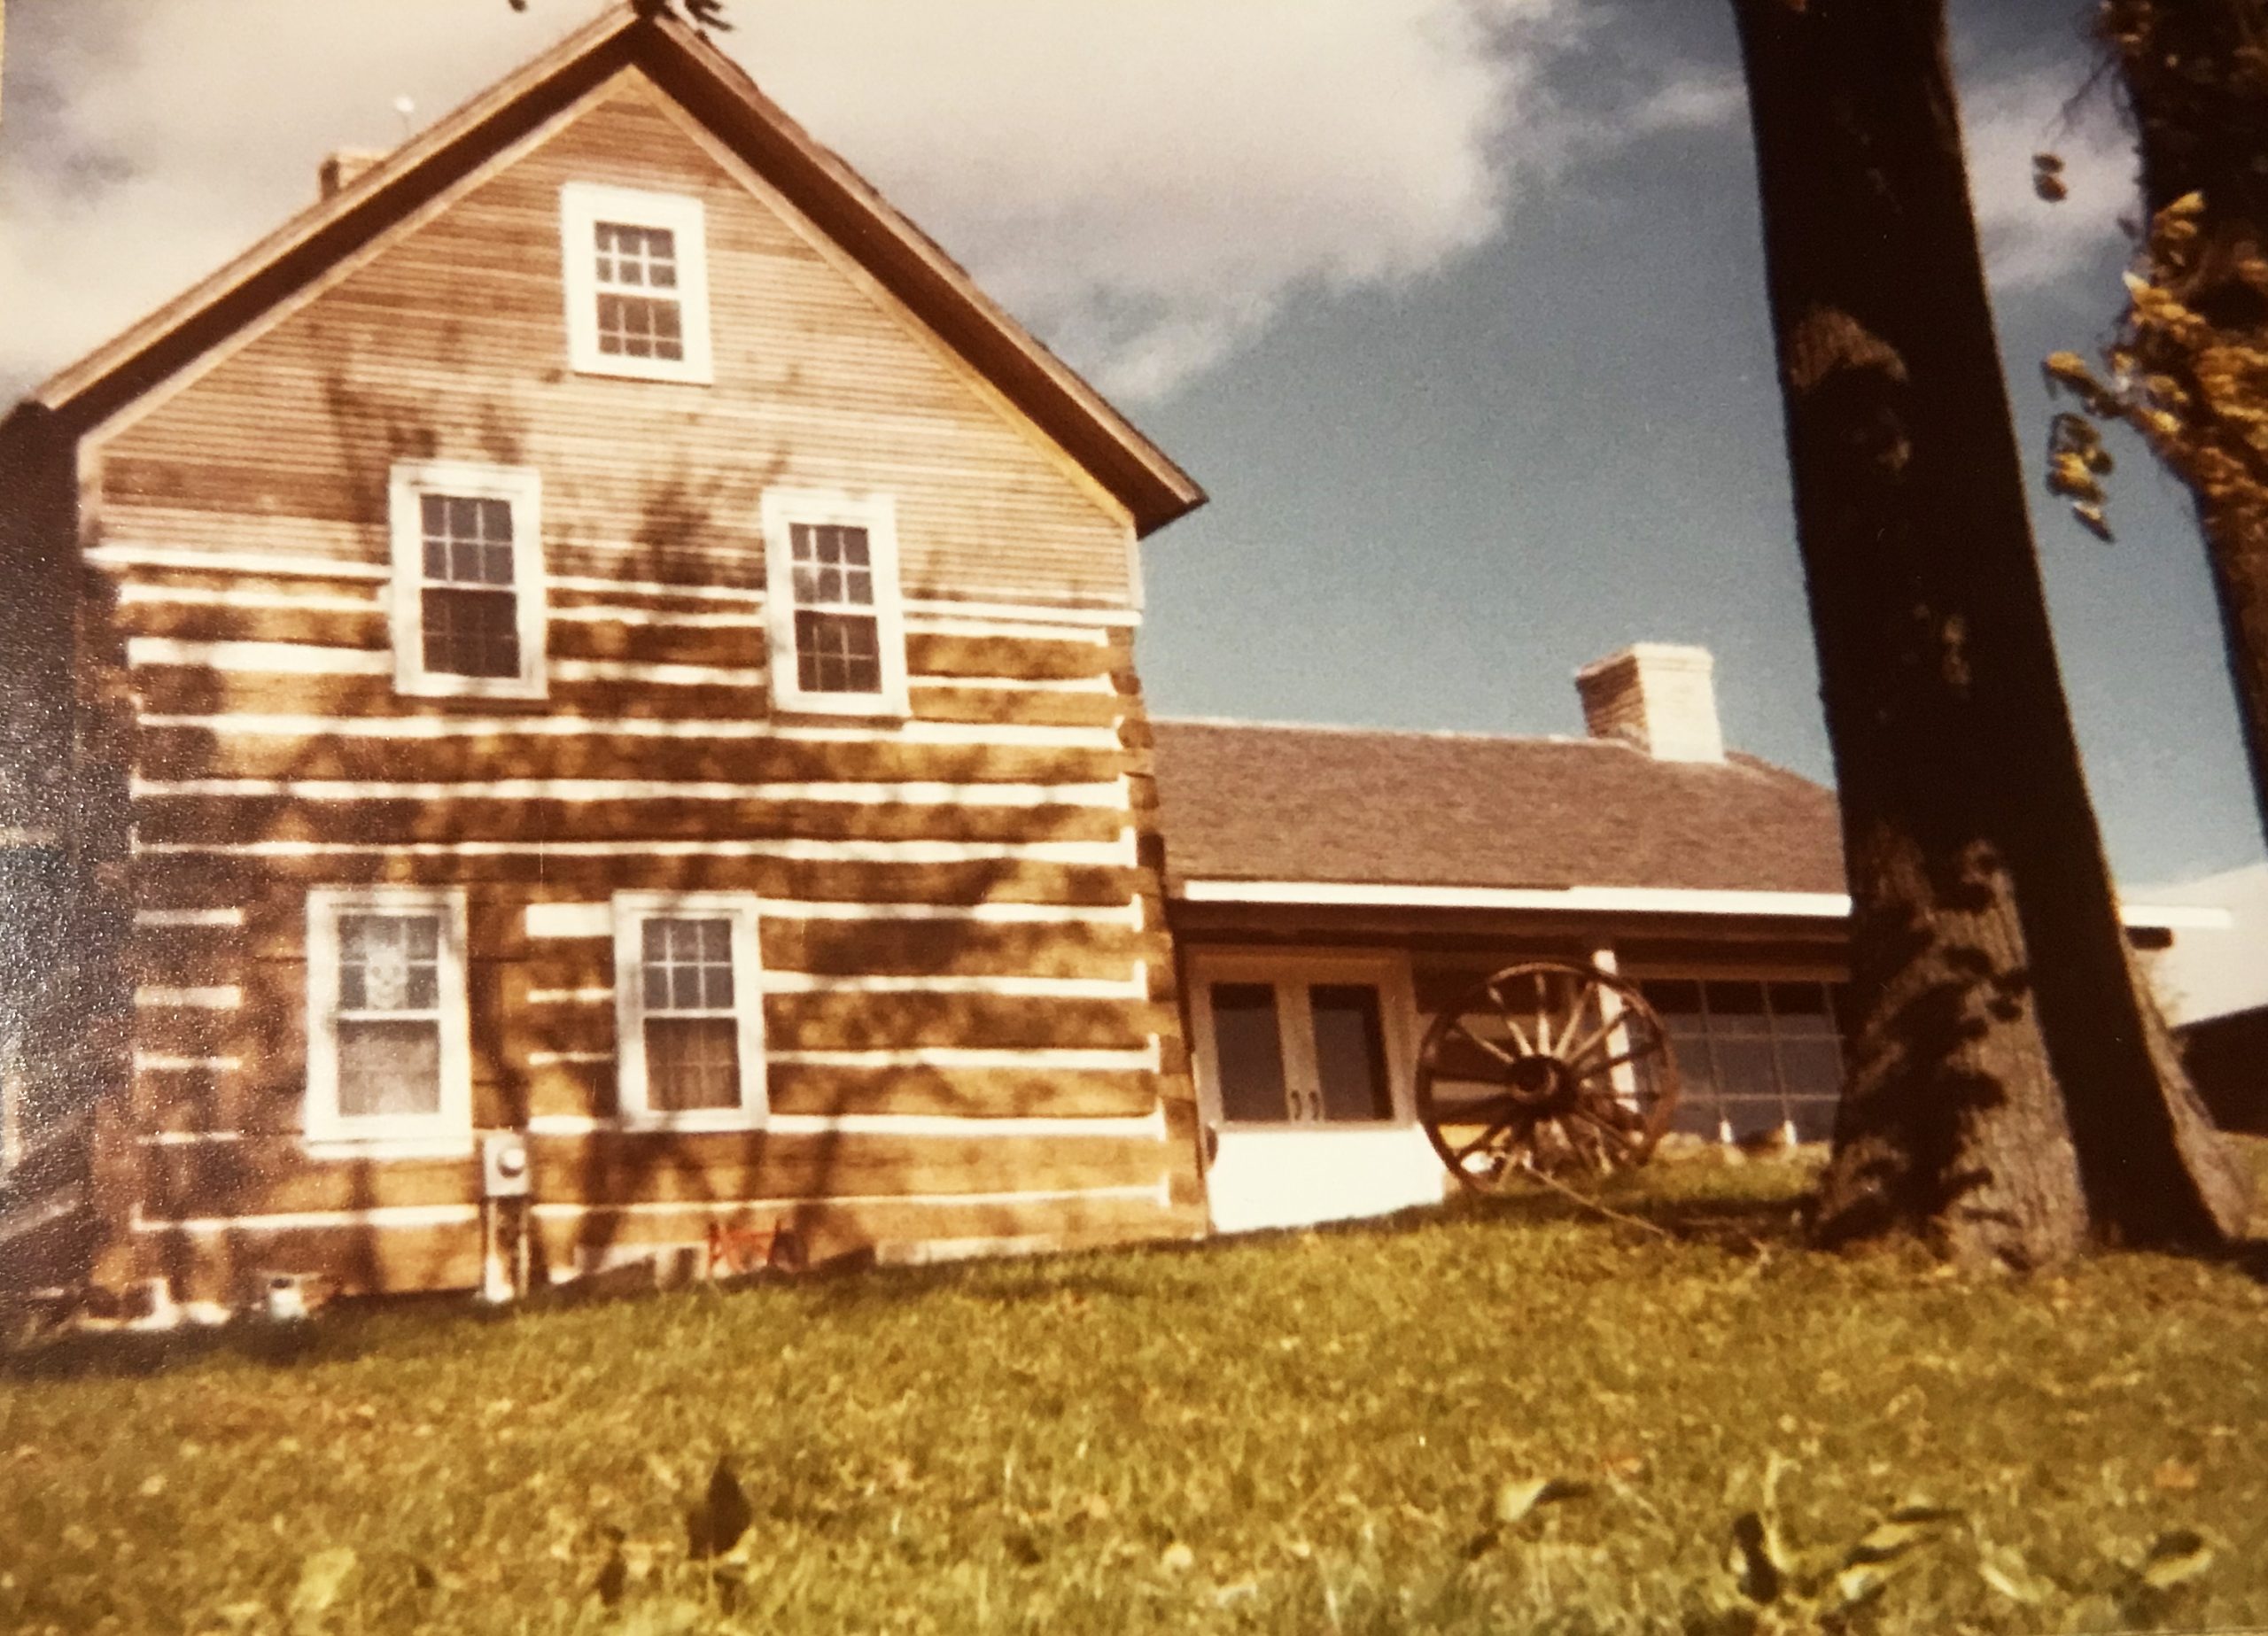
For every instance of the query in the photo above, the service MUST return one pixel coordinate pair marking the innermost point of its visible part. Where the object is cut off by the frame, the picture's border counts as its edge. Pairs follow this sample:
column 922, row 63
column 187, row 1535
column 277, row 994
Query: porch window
column 388, row 1047
column 636, row 275
column 468, row 581
column 689, row 1011
column 1752, row 1056
column 838, row 638
column 1290, row 1050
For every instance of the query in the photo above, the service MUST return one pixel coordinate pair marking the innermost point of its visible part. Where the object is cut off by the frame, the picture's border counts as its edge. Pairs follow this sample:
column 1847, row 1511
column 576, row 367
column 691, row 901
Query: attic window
column 637, row 283
column 467, row 580
column 838, row 632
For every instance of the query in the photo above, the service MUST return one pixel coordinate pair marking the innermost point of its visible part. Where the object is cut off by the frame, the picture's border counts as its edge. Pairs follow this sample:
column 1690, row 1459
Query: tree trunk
column 2199, row 104
column 2011, row 1093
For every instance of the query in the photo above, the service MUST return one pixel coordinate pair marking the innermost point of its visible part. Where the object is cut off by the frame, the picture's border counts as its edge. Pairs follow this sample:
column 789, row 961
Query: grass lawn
column 1319, row 1432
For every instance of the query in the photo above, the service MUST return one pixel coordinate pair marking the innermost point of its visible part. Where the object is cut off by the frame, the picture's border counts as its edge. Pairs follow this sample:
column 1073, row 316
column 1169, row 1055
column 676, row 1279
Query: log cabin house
column 582, row 690
column 580, row 698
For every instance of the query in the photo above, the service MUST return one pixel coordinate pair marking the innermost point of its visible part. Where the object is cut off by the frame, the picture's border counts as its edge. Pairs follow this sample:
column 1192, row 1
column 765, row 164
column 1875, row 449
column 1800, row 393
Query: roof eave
column 1154, row 490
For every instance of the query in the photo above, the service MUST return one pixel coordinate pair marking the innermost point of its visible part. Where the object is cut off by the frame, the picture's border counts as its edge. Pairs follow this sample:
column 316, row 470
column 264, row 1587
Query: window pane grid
column 1752, row 1056
column 640, row 324
column 469, row 607
column 838, row 636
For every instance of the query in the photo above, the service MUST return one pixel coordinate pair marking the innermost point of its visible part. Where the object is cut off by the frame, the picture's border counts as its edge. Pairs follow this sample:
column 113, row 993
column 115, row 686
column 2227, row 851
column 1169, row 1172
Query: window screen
column 389, row 1015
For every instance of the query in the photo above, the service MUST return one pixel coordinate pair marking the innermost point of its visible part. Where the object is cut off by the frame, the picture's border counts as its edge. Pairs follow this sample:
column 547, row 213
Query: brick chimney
column 339, row 170
column 1657, row 695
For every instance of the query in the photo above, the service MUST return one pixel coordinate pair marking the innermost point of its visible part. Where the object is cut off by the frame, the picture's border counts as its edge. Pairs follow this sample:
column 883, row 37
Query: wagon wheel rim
column 1548, row 1066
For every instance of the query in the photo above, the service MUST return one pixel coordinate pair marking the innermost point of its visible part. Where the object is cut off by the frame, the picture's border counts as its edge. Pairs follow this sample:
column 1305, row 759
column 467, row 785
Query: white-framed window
column 467, row 578
column 636, row 279
column 389, row 1048
column 689, row 1009
column 1298, row 1038
column 832, row 602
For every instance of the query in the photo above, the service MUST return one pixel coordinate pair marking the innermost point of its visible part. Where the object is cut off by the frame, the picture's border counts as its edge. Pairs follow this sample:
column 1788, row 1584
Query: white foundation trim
column 933, row 624
column 131, row 554
column 1036, row 1058
column 218, row 997
column 595, row 920
column 278, row 658
column 733, row 1206
column 596, row 613
column 1005, row 734
column 1106, row 853
column 1108, row 798
column 1603, row 899
column 1149, row 1127
column 188, row 916
column 212, row 596
column 661, row 675
column 377, row 1215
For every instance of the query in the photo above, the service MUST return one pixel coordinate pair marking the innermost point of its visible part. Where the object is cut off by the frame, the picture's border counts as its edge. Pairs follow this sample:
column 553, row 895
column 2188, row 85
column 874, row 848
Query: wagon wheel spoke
column 1490, row 1046
column 1489, row 1136
column 1573, row 1055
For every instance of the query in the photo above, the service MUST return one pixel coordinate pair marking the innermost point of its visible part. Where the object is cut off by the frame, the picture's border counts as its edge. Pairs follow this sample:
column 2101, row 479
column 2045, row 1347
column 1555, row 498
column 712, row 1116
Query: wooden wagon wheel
column 1549, row 1066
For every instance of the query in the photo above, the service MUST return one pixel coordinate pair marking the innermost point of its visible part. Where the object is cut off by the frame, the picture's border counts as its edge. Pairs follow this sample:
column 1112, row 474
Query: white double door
column 1303, row 1071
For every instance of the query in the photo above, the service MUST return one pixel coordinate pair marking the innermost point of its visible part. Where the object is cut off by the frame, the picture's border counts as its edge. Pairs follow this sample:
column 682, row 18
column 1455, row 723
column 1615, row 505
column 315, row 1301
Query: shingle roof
column 1252, row 802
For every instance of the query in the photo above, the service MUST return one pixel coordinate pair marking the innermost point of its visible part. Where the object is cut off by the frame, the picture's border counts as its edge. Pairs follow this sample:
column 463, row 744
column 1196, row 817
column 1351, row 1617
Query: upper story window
column 637, row 278
column 838, row 630
column 467, row 580
column 388, row 1047
column 689, row 1009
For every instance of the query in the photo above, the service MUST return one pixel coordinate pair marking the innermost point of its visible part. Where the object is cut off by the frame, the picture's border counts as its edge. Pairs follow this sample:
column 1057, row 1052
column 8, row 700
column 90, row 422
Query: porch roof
column 1354, row 807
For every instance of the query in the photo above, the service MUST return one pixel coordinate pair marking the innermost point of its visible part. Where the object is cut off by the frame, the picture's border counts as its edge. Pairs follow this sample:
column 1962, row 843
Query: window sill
column 383, row 1145
column 639, row 370
column 893, row 708
column 724, row 1120
column 425, row 687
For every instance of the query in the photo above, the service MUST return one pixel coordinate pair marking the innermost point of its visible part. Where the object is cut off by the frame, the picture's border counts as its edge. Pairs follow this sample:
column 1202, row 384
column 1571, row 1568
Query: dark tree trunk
column 2200, row 102
column 2012, row 1093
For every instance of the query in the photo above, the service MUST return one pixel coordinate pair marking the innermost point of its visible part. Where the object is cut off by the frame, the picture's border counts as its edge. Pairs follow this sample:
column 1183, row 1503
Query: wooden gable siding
column 450, row 343
column 960, row 924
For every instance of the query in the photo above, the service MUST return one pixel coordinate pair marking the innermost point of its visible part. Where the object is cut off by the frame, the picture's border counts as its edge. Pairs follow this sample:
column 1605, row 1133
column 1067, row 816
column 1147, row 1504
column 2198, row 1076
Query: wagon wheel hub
column 1545, row 1067
column 1540, row 1083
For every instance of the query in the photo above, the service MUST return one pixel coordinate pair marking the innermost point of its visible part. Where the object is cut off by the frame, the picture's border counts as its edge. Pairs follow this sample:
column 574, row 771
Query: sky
column 1456, row 308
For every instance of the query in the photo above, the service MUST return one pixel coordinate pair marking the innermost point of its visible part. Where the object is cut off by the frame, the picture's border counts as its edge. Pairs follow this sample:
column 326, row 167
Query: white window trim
column 522, row 488
column 1291, row 972
column 877, row 513
column 582, row 206
column 325, row 1125
column 631, row 910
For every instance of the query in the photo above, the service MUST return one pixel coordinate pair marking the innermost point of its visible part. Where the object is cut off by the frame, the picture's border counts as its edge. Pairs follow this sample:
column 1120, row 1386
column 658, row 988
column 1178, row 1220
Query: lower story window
column 387, row 1048
column 1293, row 1051
column 689, row 1014
column 1752, row 1057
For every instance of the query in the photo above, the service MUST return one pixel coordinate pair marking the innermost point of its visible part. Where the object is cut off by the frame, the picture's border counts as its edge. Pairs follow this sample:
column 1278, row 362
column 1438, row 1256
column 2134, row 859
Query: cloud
column 2028, row 242
column 1147, row 184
